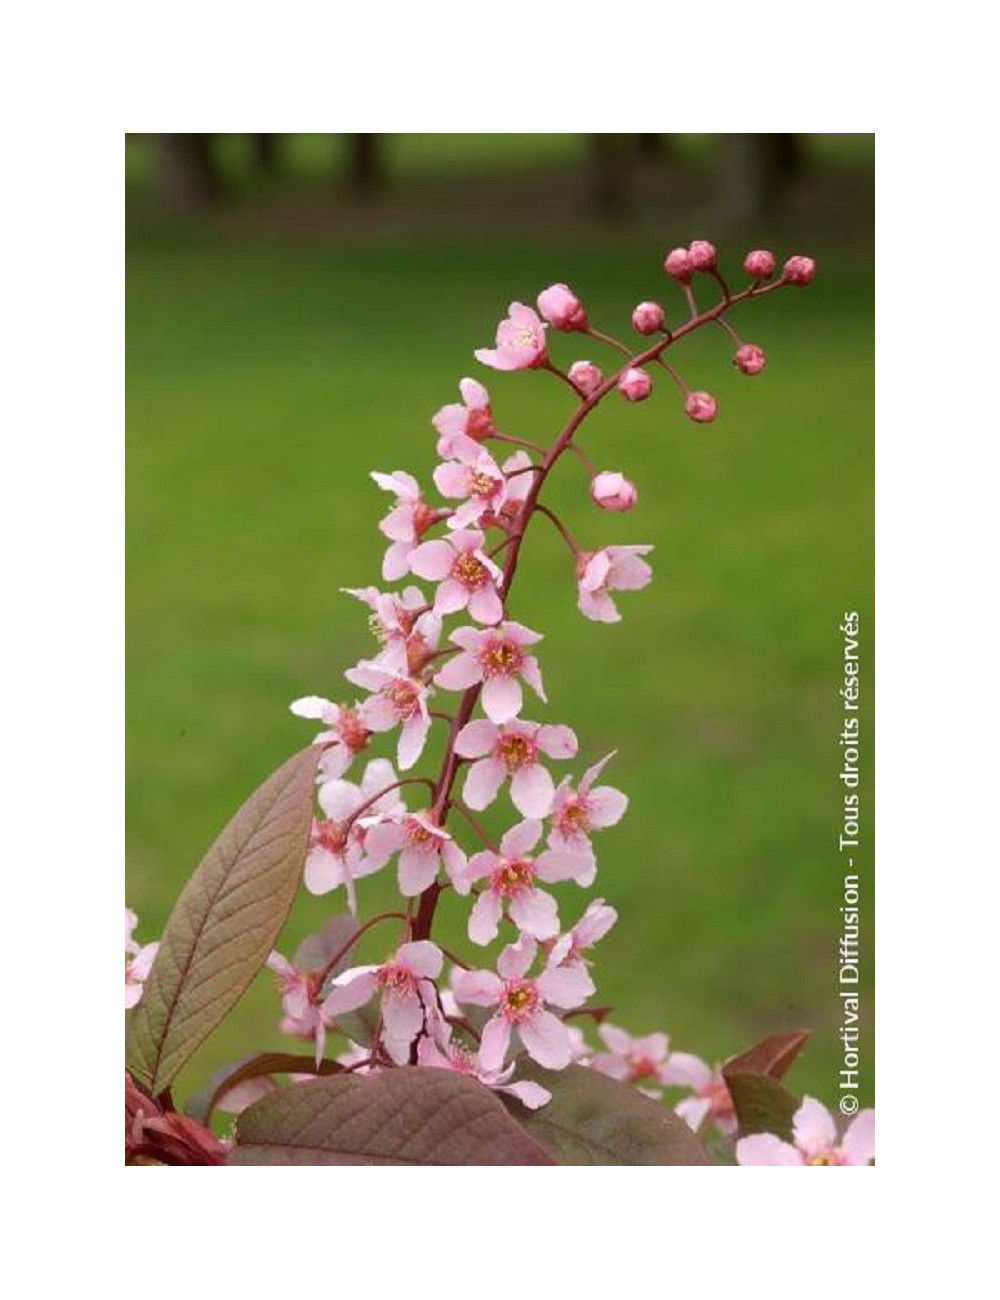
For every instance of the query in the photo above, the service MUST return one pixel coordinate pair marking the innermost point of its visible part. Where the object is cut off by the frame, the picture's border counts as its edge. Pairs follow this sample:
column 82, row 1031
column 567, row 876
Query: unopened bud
column 759, row 263
column 613, row 491
column 648, row 318
column 800, row 270
column 750, row 359
column 562, row 308
column 585, row 377
column 635, row 385
column 701, row 407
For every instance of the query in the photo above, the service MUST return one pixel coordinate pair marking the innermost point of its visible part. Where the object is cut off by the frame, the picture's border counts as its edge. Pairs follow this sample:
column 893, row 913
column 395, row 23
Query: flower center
column 469, row 571
column 500, row 658
column 352, row 731
column 575, row 816
column 479, row 423
column 419, row 836
column 512, row 877
column 516, row 751
column 825, row 1158
column 330, row 835
column 482, row 484
column 405, row 698
column 524, row 338
column 395, row 979
column 518, row 999
column 641, row 1067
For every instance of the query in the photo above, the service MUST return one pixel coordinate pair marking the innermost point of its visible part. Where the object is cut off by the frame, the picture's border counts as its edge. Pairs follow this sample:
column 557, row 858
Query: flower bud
column 800, row 270
column 701, row 407
column 613, row 491
column 678, row 265
column 585, row 377
column 648, row 318
column 635, row 385
column 562, row 308
column 703, row 255
column 759, row 263
column 749, row 359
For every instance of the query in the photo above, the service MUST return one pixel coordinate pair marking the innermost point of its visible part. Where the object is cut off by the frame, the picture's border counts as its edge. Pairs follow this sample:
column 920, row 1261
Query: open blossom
column 423, row 846
column 478, row 482
column 520, row 341
column 496, row 657
column 710, row 1094
column 463, row 425
column 575, row 813
column 402, row 624
column 398, row 701
column 405, row 984
column 336, row 846
column 467, row 576
column 517, row 470
column 562, row 308
column 439, row 1050
column 138, row 961
column 303, row 1015
column 632, row 1060
column 614, row 568
column 814, row 1140
column 569, row 948
column 405, row 523
column 512, row 751
column 510, row 877
column 345, row 734
column 521, row 1006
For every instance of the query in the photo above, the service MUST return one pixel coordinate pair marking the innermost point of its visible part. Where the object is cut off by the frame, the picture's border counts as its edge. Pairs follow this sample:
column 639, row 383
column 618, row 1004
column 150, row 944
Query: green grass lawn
column 266, row 376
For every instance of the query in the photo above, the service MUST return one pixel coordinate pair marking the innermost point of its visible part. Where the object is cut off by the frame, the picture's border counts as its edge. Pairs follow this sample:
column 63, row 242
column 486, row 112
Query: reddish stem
column 346, row 948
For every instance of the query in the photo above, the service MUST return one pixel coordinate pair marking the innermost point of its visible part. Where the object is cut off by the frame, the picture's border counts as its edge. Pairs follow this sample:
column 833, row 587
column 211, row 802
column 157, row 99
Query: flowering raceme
column 487, row 1020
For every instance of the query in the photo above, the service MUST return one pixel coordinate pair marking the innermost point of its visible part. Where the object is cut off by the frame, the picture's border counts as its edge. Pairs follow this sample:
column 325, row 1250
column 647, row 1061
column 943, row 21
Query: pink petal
column 452, row 480
column 557, row 741
column 314, row 706
column 535, row 913
column 531, row 1095
column 566, row 986
column 501, row 697
column 474, row 394
column 485, row 605
column 323, row 871
column 350, row 991
column 417, row 869
column 403, row 1019
column 484, row 919
column 421, row 958
column 859, row 1140
column 692, row 1110
column 813, row 1128
column 520, row 839
column 459, row 674
column 553, row 867
column 606, row 806
column 766, row 1149
column 515, row 959
column 477, row 988
column 687, row 1071
column 532, row 791
column 396, row 561
column 599, row 608
column 476, row 739
column 432, row 560
column 546, row 1040
column 494, row 1043
column 381, row 842
column 532, row 674
column 450, row 598
column 412, row 739
column 482, row 782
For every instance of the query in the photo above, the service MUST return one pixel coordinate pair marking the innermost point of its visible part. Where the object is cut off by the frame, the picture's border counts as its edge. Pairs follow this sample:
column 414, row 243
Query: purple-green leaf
column 407, row 1116
column 224, row 924
column 771, row 1056
column 762, row 1104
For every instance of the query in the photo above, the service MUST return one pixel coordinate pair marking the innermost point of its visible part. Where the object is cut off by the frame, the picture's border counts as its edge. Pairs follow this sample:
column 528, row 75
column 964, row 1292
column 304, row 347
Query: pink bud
column 648, row 318
column 750, row 359
column 635, row 385
column 562, row 308
column 800, row 270
column 678, row 265
column 701, row 407
column 703, row 255
column 613, row 491
column 759, row 263
column 586, row 377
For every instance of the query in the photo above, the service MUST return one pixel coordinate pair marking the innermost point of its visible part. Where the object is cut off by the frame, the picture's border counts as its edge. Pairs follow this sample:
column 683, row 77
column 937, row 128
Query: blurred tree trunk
column 609, row 174
column 186, row 173
column 756, row 172
column 655, row 148
column 264, row 153
column 364, row 164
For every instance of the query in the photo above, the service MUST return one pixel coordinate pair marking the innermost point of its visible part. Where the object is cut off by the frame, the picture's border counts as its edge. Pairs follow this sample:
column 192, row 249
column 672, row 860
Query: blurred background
column 298, row 308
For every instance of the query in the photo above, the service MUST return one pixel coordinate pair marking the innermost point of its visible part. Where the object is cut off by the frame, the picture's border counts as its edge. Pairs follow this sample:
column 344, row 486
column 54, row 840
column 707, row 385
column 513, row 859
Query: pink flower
column 710, row 1099
column 586, row 377
column 138, row 961
column 511, row 876
column 336, row 848
column 749, row 359
column 464, row 425
column 562, row 308
column 635, row 385
column 615, row 568
column 439, row 1051
column 703, row 255
column 701, row 407
column 422, row 846
column 512, row 750
column 613, row 491
column 799, row 270
column 516, row 468
column 479, row 483
column 632, row 1060
column 398, row 699
column 405, row 523
column 301, row 1003
column 345, row 734
column 575, row 813
column 814, row 1140
column 759, row 263
column 520, row 342
column 678, row 265
column 405, row 983
column 408, row 636
column 648, row 318
column 496, row 657
column 468, row 577
column 569, row 948
column 520, row 1004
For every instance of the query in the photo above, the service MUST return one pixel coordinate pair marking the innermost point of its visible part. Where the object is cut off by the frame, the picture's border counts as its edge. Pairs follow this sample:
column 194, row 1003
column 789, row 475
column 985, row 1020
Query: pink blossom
column 562, row 308
column 814, row 1140
column 301, row 1003
column 799, row 270
column 576, row 813
column 398, row 699
column 138, row 961
column 701, row 407
column 759, row 263
column 569, row 948
column 635, row 385
column 405, row 984
column 648, row 318
column 439, row 1051
column 678, row 265
column 422, row 846
column 345, row 734
column 336, row 848
column 586, row 377
column 520, row 341
column 615, row 568
column 749, row 359
column 703, row 255
column 517, row 470
column 468, row 577
column 512, row 750
column 613, row 491
column 402, row 624
column 521, row 1006
column 710, row 1094
column 496, row 657
column 463, row 425
column 405, row 523
column 479, row 483
column 511, row 876
column 632, row 1060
